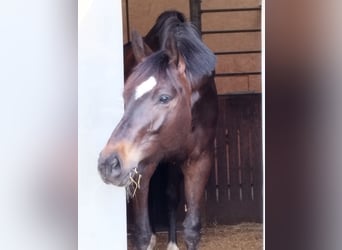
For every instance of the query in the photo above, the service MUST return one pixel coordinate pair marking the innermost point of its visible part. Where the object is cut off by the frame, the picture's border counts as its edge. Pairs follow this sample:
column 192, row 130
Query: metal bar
column 195, row 13
column 229, row 31
column 127, row 23
column 231, row 10
column 237, row 52
column 237, row 74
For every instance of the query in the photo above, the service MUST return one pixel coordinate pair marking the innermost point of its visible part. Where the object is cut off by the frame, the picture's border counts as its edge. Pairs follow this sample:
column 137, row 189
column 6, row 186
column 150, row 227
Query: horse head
column 157, row 118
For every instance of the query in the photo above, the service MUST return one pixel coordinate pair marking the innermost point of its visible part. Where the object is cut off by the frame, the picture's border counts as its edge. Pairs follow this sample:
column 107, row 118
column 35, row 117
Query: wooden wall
column 232, row 29
column 234, row 189
column 233, row 35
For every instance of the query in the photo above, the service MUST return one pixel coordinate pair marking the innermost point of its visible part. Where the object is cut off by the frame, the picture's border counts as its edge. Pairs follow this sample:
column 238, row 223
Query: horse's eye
column 164, row 99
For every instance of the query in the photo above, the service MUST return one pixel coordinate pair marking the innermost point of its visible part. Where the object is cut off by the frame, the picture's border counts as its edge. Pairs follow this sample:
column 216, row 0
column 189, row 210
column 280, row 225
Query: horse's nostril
column 115, row 163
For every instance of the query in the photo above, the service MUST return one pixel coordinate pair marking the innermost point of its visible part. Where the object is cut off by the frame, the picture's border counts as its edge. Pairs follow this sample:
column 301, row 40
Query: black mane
column 153, row 37
column 199, row 59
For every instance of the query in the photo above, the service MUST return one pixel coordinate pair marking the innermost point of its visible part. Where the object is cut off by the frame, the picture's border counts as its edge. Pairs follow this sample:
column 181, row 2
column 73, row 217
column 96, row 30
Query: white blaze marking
column 145, row 87
column 172, row 246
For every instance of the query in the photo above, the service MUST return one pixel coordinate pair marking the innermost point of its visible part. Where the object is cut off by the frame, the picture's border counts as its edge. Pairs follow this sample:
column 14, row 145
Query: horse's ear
column 140, row 49
column 175, row 56
column 181, row 65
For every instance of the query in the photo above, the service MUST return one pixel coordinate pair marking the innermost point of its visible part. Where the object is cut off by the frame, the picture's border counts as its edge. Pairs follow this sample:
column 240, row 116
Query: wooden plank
column 221, row 153
column 227, row 152
column 254, row 83
column 223, row 4
column 257, row 158
column 231, row 20
column 238, row 63
column 211, row 190
column 233, row 41
column 245, row 124
column 210, row 195
column 255, row 153
column 231, row 84
column 259, row 182
column 232, row 125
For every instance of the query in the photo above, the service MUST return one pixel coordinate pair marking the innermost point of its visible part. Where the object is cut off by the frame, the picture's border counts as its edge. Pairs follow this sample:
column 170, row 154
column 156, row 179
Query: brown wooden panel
column 211, row 185
column 246, row 170
column 221, row 153
column 245, row 41
column 231, row 84
column 223, row 4
column 232, row 126
column 254, row 83
column 243, row 114
column 236, row 20
column 257, row 157
column 238, row 63
column 258, row 182
column 245, row 128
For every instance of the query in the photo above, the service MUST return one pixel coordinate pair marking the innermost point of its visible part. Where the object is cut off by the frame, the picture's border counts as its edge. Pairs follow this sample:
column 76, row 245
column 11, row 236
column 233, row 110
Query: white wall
column 101, row 207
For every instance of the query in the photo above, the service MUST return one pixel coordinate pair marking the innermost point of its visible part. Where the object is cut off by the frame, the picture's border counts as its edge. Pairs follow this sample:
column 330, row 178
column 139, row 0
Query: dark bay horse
column 170, row 119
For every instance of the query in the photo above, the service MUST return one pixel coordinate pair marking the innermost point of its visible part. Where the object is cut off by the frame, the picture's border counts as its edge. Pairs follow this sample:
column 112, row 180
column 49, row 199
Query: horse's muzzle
column 111, row 172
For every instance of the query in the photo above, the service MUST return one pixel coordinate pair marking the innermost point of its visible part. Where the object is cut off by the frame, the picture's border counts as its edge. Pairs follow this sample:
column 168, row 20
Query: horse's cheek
column 158, row 122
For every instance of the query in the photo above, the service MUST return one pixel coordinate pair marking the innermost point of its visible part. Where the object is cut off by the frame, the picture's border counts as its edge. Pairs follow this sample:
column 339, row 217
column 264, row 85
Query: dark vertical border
column 195, row 13
column 127, row 22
